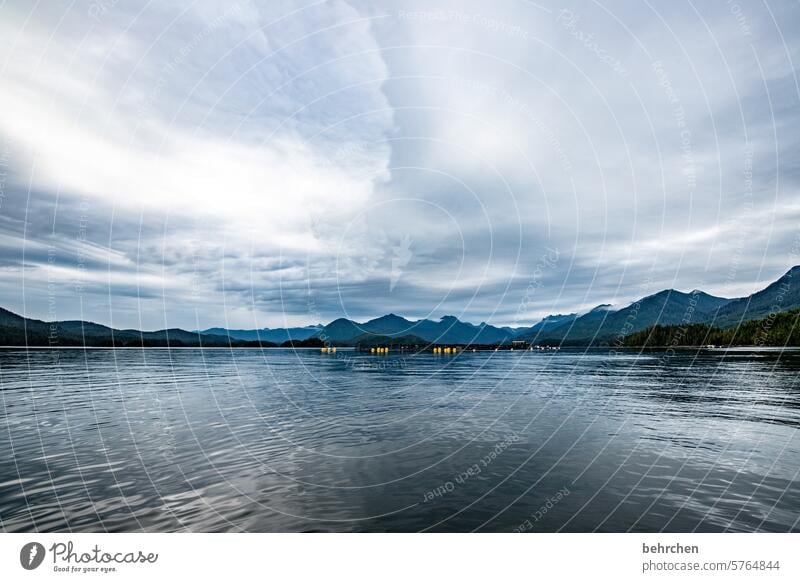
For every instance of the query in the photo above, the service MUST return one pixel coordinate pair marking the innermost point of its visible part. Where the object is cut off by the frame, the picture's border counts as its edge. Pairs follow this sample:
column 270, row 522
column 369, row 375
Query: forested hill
column 778, row 329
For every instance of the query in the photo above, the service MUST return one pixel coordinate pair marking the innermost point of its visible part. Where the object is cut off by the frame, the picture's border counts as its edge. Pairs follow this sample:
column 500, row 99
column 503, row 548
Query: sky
column 265, row 164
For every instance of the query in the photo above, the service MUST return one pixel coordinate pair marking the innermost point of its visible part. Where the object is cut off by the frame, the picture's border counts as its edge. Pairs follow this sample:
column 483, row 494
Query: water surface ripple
column 285, row 440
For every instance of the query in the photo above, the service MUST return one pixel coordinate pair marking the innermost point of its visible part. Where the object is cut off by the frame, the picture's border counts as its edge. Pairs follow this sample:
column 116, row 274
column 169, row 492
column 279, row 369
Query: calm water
column 245, row 440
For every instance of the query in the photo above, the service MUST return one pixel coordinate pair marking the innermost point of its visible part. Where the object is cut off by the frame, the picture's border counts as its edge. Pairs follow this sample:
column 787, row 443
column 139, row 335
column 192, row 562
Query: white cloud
column 84, row 144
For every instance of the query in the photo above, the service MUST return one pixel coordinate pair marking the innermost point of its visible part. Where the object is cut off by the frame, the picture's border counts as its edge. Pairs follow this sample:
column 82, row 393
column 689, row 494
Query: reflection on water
column 282, row 440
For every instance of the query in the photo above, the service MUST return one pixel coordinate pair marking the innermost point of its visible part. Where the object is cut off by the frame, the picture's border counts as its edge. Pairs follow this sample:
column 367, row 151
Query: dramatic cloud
column 281, row 163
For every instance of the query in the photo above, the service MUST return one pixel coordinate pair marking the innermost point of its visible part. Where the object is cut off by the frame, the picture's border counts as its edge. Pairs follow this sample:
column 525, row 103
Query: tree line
column 777, row 329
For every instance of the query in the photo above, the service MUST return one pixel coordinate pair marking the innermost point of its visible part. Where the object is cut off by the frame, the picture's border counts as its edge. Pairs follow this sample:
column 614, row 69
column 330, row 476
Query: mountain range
column 276, row 335
column 16, row 330
column 601, row 324
column 666, row 307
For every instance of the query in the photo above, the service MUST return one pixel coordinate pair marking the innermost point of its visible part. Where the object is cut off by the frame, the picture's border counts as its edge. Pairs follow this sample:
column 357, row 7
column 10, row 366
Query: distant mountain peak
column 601, row 307
column 559, row 316
column 390, row 317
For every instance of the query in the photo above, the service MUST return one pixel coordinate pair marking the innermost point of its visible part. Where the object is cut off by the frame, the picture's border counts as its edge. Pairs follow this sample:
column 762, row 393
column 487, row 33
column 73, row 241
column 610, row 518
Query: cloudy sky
column 274, row 163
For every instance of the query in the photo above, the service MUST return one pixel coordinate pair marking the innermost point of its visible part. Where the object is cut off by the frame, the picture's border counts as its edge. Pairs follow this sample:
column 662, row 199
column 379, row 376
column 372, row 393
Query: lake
column 298, row 440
